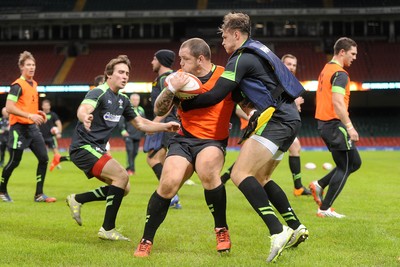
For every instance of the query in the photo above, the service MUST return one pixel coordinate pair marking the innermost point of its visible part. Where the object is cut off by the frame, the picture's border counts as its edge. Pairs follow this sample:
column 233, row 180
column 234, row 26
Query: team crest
column 120, row 103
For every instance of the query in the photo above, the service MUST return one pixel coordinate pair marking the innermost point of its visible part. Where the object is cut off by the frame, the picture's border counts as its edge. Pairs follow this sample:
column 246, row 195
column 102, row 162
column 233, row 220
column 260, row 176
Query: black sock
column 64, row 158
column 97, row 194
column 338, row 179
column 295, row 168
column 227, row 175
column 280, row 201
column 157, row 210
column 216, row 202
column 40, row 176
column 13, row 162
column 324, row 181
column 157, row 169
column 258, row 199
column 3, row 184
column 114, row 199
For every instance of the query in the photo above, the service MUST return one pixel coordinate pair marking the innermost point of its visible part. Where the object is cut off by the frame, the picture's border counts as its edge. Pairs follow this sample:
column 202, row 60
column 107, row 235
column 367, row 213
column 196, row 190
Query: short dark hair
column 46, row 101
column 98, row 80
column 198, row 47
column 343, row 43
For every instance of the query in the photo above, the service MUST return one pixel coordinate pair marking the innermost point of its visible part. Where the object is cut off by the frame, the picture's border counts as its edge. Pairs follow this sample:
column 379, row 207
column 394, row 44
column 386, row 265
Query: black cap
column 165, row 57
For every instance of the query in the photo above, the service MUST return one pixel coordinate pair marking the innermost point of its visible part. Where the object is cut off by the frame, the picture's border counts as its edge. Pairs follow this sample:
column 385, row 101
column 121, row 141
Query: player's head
column 27, row 64
column 98, row 80
column 345, row 51
column 163, row 57
column 46, row 105
column 235, row 29
column 195, row 56
column 135, row 100
column 117, row 72
column 290, row 62
column 344, row 43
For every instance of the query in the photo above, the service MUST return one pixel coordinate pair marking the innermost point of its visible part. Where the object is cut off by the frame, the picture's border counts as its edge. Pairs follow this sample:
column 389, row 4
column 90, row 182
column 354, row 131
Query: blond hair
column 236, row 21
column 288, row 56
column 24, row 56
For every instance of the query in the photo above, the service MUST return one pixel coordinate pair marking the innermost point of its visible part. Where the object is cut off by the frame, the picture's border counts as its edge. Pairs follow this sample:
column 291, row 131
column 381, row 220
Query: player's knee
column 167, row 188
column 210, row 182
column 119, row 178
column 124, row 177
column 14, row 163
column 127, row 188
column 43, row 159
column 356, row 164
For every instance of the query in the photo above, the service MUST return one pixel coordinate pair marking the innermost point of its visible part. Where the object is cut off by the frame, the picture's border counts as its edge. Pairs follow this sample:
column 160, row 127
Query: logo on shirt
column 111, row 117
column 265, row 49
column 120, row 103
column 98, row 149
column 109, row 101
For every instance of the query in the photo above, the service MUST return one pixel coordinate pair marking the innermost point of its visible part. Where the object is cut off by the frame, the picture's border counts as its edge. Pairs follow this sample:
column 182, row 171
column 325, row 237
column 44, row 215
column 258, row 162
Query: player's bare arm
column 341, row 111
column 13, row 109
column 149, row 126
column 299, row 101
column 241, row 113
column 85, row 116
column 164, row 103
column 59, row 127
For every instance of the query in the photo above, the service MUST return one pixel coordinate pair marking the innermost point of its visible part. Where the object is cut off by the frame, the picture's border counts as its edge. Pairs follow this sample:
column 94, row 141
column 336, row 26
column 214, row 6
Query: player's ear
column 236, row 34
column 200, row 59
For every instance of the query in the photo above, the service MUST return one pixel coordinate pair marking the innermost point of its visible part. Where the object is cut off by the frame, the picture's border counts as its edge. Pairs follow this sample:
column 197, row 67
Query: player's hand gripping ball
column 189, row 90
column 44, row 116
column 54, row 130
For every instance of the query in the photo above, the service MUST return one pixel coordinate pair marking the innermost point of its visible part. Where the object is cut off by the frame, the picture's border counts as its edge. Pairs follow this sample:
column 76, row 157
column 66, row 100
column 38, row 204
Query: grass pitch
column 35, row 234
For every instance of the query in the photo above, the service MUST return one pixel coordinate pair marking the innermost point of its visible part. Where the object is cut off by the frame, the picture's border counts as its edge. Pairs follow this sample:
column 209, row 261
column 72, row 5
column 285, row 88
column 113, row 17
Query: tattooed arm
column 164, row 102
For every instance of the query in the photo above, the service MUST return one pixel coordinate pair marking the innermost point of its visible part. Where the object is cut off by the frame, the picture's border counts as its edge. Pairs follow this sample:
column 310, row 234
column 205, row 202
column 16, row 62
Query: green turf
column 35, row 234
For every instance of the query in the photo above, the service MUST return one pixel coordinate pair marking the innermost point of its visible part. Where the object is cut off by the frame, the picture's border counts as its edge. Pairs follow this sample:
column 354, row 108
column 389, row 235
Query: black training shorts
column 189, row 147
column 335, row 135
column 281, row 133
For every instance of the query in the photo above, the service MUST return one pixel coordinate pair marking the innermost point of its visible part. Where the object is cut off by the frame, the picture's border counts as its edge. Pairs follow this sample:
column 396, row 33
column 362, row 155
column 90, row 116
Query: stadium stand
column 382, row 59
column 310, row 57
column 104, row 5
column 87, row 66
column 375, row 61
column 256, row 4
column 47, row 58
column 29, row 6
column 32, row 6
column 365, row 3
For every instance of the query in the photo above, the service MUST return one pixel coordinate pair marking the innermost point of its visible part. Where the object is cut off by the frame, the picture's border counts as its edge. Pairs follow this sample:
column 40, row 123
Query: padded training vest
column 288, row 82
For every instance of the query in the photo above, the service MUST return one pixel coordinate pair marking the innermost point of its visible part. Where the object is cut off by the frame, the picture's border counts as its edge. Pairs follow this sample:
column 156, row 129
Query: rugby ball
column 189, row 90
column 44, row 116
column 327, row 166
column 310, row 166
column 54, row 130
